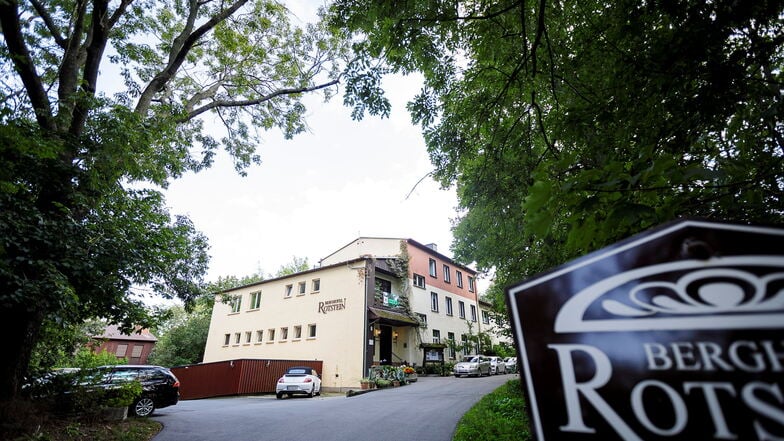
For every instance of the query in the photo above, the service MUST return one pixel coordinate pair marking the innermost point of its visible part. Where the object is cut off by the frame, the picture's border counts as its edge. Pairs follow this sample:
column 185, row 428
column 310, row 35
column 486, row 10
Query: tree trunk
column 20, row 329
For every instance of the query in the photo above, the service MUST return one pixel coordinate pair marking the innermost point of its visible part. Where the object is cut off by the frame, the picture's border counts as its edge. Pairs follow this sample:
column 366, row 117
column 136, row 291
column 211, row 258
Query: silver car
column 497, row 365
column 473, row 365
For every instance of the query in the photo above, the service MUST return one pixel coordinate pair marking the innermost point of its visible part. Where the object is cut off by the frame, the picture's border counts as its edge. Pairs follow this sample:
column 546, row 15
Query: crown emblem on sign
column 747, row 291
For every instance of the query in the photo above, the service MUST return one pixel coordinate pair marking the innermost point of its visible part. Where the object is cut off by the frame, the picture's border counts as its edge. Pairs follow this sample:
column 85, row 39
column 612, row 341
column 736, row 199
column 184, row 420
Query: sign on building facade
column 674, row 334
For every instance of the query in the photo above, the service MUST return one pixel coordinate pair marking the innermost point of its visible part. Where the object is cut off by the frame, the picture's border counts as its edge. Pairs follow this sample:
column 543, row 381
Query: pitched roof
column 112, row 332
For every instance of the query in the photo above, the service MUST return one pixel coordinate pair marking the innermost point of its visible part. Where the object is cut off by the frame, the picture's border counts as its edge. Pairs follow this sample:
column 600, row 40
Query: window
column 419, row 281
column 226, row 339
column 312, row 331
column 137, row 351
column 255, row 300
column 316, row 285
column 383, row 286
column 436, row 336
column 485, row 318
column 422, row 318
column 433, row 268
column 473, row 313
column 248, row 335
column 448, row 301
column 461, row 308
column 447, row 275
column 121, row 350
column 434, row 302
column 302, row 286
column 288, row 291
column 459, row 276
column 464, row 344
column 259, row 336
column 284, row 333
column 451, row 337
column 297, row 332
column 237, row 338
column 471, row 284
column 236, row 303
column 270, row 335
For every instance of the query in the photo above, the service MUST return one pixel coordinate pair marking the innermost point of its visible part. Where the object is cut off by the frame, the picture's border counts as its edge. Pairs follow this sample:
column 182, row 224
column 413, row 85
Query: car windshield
column 472, row 359
column 297, row 372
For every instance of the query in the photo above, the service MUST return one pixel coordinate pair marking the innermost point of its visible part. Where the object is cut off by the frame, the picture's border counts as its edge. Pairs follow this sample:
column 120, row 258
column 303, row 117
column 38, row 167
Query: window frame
column 436, row 336
column 297, row 332
column 433, row 268
column 255, row 300
column 448, row 304
column 236, row 304
column 271, row 335
column 473, row 313
column 447, row 274
column 302, row 288
column 284, row 333
column 461, row 309
column 485, row 317
column 421, row 279
column 288, row 290
column 459, row 277
column 311, row 330
column 248, row 337
column 470, row 284
column 237, row 338
column 226, row 339
column 259, row 336
column 433, row 301
column 315, row 285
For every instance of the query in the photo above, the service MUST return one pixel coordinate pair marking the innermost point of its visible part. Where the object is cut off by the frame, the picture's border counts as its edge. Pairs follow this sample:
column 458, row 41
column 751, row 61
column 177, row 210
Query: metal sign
column 674, row 334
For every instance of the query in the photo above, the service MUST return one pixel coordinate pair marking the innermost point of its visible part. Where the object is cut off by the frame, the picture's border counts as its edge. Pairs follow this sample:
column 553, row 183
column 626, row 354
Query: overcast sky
column 313, row 194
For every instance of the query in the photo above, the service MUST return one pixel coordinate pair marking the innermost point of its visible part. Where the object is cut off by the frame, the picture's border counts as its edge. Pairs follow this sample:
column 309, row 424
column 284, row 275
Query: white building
column 373, row 301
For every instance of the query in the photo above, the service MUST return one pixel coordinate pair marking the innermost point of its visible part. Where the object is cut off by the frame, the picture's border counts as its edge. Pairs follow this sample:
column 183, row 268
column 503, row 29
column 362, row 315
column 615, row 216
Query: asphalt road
column 427, row 410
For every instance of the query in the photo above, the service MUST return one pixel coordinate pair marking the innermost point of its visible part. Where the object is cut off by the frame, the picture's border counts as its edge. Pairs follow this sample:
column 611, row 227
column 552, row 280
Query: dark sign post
column 673, row 334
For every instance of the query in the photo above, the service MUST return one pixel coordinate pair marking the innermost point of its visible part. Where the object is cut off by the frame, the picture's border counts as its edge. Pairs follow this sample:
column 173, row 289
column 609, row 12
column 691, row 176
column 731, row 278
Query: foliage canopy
column 567, row 126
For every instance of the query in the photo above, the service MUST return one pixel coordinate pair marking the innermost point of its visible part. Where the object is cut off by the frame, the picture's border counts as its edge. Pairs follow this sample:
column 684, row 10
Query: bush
column 499, row 415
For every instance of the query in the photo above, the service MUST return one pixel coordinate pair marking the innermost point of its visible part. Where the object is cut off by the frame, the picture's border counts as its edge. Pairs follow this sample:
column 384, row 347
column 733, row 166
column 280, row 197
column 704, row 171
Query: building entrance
column 385, row 345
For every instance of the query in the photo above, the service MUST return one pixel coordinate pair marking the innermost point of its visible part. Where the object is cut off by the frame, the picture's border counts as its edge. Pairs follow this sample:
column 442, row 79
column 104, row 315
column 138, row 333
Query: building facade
column 135, row 348
column 373, row 301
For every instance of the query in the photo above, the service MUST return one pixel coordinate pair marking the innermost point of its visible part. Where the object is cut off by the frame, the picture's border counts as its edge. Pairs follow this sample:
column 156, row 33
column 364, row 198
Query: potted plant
column 410, row 372
column 382, row 383
column 364, row 383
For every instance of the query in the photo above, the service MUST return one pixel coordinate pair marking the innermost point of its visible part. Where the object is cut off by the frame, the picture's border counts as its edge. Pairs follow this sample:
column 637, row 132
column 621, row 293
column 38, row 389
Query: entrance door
column 385, row 345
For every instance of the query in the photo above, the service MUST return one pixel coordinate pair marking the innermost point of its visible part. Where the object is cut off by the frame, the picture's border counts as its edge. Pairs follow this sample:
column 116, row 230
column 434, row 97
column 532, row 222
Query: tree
column 296, row 265
column 567, row 126
column 82, row 151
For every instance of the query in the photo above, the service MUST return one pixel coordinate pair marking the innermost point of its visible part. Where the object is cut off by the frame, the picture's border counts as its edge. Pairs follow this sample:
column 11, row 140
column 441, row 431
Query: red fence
column 234, row 377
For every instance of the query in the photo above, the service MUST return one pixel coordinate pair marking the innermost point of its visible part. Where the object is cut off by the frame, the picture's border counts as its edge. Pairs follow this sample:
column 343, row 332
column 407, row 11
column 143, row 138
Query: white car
column 299, row 380
column 497, row 365
column 511, row 364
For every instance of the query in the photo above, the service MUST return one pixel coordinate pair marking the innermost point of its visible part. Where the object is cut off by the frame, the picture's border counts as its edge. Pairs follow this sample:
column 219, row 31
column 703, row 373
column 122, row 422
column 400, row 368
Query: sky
column 318, row 192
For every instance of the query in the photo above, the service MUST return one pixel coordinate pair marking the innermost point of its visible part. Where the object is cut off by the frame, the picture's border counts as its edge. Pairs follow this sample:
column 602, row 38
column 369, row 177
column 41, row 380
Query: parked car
column 511, row 364
column 160, row 387
column 300, row 380
column 476, row 365
column 497, row 365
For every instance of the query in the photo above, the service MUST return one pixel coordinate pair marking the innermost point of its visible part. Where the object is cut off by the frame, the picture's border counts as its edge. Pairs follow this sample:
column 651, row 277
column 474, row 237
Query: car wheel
column 143, row 407
column 279, row 395
column 312, row 392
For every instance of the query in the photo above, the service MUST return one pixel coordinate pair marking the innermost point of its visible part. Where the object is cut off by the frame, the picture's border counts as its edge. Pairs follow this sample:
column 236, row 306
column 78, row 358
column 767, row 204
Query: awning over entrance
column 391, row 317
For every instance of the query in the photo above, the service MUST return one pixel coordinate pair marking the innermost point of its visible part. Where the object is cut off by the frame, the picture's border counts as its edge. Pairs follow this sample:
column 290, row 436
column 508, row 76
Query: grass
column 26, row 421
column 499, row 416
column 132, row 429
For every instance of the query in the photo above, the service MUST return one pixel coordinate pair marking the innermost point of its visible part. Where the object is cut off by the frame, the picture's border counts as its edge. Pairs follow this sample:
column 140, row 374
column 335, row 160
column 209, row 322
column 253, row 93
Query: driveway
column 427, row 410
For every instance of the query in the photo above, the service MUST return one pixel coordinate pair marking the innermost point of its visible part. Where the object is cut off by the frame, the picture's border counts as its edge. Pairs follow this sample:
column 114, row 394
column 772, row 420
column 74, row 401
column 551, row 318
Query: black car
column 160, row 388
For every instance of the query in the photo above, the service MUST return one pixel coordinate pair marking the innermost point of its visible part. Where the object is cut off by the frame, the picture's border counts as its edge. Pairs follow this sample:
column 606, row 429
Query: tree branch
column 50, row 24
column 177, row 57
column 24, row 65
column 245, row 103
